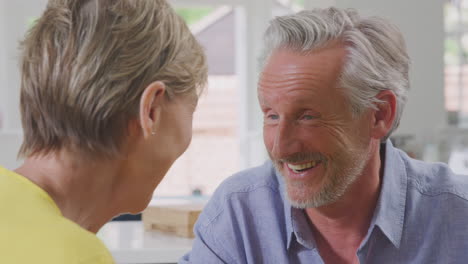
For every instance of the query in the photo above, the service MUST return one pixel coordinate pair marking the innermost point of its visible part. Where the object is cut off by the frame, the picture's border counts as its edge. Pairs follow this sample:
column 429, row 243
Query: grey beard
column 337, row 181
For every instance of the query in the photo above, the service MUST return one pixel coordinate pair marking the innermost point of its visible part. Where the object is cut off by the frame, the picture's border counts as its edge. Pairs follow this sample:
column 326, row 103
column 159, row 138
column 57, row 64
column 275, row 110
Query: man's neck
column 339, row 228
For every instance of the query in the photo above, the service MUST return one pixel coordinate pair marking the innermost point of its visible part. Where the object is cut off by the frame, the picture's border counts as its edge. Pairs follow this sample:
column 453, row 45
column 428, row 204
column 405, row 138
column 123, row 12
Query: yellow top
column 33, row 230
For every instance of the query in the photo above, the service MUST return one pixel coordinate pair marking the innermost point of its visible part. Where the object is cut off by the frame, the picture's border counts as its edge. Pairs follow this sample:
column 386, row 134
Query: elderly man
column 332, row 90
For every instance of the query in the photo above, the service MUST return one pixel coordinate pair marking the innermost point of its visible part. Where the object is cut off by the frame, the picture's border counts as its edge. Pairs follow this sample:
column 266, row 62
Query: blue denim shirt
column 421, row 217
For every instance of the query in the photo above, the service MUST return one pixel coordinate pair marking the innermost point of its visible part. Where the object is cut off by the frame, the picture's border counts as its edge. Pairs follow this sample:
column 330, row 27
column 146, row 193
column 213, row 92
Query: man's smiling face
column 312, row 137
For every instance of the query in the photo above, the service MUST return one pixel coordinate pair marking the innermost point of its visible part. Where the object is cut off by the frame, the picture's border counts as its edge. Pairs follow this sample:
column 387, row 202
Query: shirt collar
column 388, row 215
column 287, row 208
column 296, row 222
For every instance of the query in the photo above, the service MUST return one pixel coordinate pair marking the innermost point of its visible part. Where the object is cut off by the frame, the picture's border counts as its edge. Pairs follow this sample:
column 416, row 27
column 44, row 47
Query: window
column 214, row 153
column 456, row 70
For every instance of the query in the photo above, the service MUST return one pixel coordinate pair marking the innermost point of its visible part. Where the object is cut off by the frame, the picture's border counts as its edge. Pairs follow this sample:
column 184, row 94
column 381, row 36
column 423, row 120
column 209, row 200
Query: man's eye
column 273, row 117
column 308, row 117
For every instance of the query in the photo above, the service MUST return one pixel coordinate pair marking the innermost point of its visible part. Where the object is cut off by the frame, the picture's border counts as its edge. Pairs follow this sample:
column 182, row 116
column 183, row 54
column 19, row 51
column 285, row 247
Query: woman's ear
column 385, row 114
column 151, row 102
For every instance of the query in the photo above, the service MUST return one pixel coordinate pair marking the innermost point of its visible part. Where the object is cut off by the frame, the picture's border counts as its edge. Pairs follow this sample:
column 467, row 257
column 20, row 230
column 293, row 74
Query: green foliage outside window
column 299, row 2
column 31, row 22
column 193, row 15
column 455, row 50
column 452, row 56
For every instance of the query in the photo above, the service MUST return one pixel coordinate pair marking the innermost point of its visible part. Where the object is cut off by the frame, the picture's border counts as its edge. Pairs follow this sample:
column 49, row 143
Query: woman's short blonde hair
column 86, row 63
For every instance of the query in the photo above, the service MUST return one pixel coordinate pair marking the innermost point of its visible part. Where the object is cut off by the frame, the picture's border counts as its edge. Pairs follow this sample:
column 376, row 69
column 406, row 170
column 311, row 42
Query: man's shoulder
column 435, row 179
column 245, row 190
column 435, row 213
column 245, row 212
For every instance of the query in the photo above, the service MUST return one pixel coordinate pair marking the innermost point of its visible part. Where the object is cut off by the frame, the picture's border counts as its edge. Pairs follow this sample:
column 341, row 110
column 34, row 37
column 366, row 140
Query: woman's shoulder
column 34, row 231
column 81, row 244
column 56, row 241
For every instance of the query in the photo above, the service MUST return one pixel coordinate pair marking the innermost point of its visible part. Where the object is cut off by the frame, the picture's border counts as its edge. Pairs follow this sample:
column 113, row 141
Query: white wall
column 9, row 146
column 2, row 64
column 422, row 25
column 14, row 21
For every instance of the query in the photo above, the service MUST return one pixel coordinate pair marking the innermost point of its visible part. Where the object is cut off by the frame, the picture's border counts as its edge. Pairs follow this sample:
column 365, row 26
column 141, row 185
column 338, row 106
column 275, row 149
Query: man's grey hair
column 377, row 59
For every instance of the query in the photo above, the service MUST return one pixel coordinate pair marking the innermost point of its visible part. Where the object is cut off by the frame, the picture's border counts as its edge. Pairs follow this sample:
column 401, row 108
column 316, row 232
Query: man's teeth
column 303, row 166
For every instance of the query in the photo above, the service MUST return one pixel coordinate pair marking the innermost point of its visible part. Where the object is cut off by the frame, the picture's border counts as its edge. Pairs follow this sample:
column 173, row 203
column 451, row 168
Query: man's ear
column 150, row 107
column 385, row 114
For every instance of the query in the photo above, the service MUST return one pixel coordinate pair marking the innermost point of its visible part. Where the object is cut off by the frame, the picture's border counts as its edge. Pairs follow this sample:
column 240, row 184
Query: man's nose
column 286, row 142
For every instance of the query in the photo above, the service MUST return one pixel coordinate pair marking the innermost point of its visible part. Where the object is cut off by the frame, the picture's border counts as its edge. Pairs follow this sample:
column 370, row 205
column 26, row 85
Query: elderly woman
column 108, row 91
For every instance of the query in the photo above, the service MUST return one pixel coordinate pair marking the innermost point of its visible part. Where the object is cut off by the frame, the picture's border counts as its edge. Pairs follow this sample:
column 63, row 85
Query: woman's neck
column 84, row 191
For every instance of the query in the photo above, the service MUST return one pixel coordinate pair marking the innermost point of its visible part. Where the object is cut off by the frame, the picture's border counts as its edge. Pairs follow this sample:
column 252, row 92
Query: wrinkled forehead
column 329, row 58
column 291, row 71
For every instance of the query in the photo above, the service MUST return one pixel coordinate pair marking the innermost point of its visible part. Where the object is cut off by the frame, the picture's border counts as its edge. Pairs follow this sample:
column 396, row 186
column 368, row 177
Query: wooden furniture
column 175, row 219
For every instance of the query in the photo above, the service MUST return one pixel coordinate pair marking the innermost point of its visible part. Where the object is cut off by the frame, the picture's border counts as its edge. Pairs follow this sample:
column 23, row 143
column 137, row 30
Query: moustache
column 301, row 157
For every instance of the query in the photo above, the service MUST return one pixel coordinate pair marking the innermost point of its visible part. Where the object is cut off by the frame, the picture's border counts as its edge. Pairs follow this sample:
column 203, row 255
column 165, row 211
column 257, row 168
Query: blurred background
column 228, row 124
